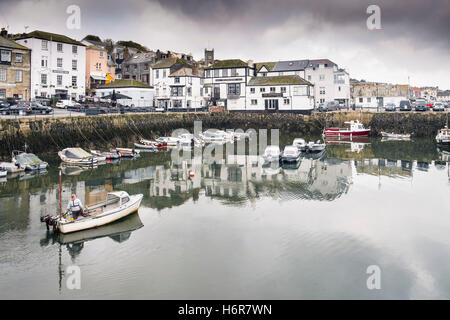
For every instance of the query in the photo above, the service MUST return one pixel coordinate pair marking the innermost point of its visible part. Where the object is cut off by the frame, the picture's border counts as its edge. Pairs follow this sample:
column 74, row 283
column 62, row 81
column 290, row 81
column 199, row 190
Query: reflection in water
column 317, row 210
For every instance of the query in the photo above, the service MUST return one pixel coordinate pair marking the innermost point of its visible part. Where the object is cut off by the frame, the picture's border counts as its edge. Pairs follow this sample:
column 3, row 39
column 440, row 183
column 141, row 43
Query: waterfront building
column 373, row 95
column 58, row 65
column 137, row 94
column 280, row 94
column 98, row 70
column 14, row 69
column 443, row 95
column 139, row 67
column 331, row 83
column 225, row 84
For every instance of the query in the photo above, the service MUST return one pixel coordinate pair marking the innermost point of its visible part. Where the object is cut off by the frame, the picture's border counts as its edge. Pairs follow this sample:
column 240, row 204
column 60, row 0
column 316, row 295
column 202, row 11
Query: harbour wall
column 48, row 134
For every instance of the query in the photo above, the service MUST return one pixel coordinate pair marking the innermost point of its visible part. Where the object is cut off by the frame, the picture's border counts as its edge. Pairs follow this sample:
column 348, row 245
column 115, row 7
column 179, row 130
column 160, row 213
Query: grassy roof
column 11, row 44
column 132, row 44
column 278, row 80
column 233, row 63
column 268, row 65
column 124, row 83
column 50, row 37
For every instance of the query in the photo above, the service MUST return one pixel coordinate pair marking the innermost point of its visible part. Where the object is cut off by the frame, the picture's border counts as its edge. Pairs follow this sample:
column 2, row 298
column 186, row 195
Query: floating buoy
column 191, row 174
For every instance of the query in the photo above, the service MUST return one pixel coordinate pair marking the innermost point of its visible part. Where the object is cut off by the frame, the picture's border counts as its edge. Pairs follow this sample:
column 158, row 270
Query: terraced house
column 225, row 84
column 280, row 94
column 14, row 69
column 58, row 65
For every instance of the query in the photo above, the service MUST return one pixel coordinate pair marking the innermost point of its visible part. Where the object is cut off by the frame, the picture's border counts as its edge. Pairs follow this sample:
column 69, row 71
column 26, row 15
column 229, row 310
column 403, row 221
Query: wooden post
column 60, row 196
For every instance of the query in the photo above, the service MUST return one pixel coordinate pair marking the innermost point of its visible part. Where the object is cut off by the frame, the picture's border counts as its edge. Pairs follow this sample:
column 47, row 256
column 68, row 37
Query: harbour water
column 240, row 229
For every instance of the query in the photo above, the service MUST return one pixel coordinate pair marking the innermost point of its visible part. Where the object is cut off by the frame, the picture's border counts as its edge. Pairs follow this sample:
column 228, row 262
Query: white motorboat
column 28, row 161
column 3, row 173
column 214, row 135
column 169, row 141
column 77, row 156
column 117, row 205
column 290, row 154
column 126, row 152
column 317, row 146
column 300, row 144
column 145, row 146
column 12, row 167
column 443, row 137
column 272, row 154
column 395, row 136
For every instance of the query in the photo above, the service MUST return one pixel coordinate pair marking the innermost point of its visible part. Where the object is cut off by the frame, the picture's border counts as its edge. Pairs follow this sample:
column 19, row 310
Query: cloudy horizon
column 413, row 41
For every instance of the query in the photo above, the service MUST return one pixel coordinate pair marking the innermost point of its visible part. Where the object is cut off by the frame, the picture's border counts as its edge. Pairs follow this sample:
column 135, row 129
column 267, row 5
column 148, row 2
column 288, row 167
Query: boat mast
column 60, row 196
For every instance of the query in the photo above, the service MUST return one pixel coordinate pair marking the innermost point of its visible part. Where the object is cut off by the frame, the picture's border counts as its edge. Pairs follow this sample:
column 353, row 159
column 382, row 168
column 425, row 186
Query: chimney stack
column 4, row 33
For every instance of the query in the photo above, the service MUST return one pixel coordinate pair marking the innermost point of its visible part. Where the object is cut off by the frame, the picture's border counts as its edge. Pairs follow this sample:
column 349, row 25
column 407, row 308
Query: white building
column 139, row 94
column 330, row 82
column 225, row 83
column 443, row 95
column 185, row 90
column 58, row 65
column 279, row 94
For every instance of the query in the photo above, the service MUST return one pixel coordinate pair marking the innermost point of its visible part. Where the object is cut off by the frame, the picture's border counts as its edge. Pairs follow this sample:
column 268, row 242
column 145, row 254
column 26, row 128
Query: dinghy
column 317, row 146
column 272, row 154
column 443, row 137
column 290, row 154
column 126, row 153
column 77, row 156
column 117, row 205
column 3, row 173
column 395, row 136
column 300, row 144
column 28, row 161
column 106, row 155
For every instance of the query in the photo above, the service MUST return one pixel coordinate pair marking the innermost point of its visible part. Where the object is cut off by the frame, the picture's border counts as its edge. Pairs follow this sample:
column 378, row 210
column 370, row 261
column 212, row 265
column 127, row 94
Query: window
column 360, row 100
column 74, row 49
column 3, row 75
column 188, row 103
column 233, row 72
column 176, row 91
column 287, row 101
column 369, row 99
column 262, row 89
column 271, row 104
column 146, row 66
column 264, row 74
column 59, row 47
column 225, row 73
column 43, row 79
column 19, row 76
column 234, row 89
column 59, row 80
column 59, row 62
column 74, row 64
column 189, row 91
column 44, row 62
column 252, row 90
column 322, row 77
column 101, row 53
column 164, row 73
column 322, row 90
column 300, row 91
column 5, row 56
column 216, row 73
column 208, row 73
column 44, row 45
column 309, row 78
column 177, row 79
column 19, row 58
column 254, row 102
column 2, row 93
column 272, row 89
column 74, row 81
column 283, row 89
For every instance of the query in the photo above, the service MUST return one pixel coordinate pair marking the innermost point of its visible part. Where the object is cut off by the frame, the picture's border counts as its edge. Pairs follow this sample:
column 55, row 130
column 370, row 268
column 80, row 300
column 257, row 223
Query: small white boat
column 272, row 153
column 395, row 136
column 150, row 144
column 169, row 141
column 300, row 144
column 12, row 167
column 214, row 135
column 106, row 155
column 28, row 161
column 443, row 137
column 77, row 156
column 126, row 152
column 117, row 205
column 290, row 154
column 317, row 146
column 3, row 173
column 145, row 146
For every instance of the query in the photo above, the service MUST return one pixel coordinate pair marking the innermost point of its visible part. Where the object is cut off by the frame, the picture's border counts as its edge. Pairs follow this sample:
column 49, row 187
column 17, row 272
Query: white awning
column 98, row 77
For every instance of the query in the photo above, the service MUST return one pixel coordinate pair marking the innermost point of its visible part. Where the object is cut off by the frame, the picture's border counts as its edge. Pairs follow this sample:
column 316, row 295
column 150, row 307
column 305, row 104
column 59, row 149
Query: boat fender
column 191, row 174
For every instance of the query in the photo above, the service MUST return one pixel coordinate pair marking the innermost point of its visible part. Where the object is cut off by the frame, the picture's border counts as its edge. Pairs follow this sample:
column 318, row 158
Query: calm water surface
column 241, row 230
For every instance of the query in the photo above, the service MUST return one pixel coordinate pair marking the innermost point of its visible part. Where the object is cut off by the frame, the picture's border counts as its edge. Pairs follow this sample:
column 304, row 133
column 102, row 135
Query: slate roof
column 295, row 65
column 185, row 71
column 277, row 80
column 141, row 57
column 167, row 63
column 50, row 37
column 11, row 44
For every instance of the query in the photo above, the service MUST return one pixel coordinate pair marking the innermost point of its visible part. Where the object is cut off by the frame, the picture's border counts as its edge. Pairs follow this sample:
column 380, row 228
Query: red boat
column 355, row 129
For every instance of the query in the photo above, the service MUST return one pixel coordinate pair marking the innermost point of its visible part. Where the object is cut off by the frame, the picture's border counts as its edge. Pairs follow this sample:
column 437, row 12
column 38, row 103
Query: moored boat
column 396, row 136
column 106, row 155
column 117, row 205
column 126, row 152
column 77, row 156
column 317, row 146
column 355, row 129
column 168, row 141
column 272, row 154
column 443, row 137
column 3, row 173
column 300, row 144
column 215, row 135
column 290, row 154
column 28, row 161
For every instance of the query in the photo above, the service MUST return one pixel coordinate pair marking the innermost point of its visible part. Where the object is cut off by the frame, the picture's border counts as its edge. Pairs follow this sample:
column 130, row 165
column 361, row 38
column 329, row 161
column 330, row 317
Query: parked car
column 438, row 106
column 160, row 109
column 390, row 107
column 329, row 106
column 60, row 104
column 421, row 106
column 39, row 108
column 405, row 105
column 3, row 104
column 19, row 109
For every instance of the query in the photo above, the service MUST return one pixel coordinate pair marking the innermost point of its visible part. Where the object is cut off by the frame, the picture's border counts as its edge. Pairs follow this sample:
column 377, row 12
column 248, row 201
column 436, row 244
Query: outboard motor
column 49, row 221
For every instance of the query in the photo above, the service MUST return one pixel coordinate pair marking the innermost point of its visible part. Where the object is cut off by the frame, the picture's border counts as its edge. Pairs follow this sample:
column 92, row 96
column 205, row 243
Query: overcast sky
column 414, row 39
